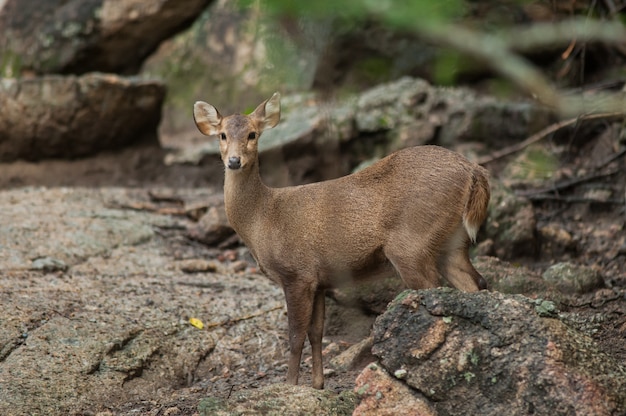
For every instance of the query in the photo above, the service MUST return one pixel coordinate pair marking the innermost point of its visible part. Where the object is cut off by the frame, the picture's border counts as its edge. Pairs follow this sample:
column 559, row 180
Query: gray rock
column 67, row 117
column 492, row 354
column 57, row 36
column 571, row 278
column 233, row 57
column 66, row 225
column 505, row 277
column 49, row 264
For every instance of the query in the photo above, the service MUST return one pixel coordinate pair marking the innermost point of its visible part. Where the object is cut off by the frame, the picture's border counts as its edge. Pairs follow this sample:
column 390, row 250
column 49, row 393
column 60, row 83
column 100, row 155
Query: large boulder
column 79, row 36
column 492, row 354
column 57, row 116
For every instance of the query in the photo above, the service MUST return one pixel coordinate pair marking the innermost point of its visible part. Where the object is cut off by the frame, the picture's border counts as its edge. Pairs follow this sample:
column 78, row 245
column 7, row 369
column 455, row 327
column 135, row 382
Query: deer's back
column 346, row 222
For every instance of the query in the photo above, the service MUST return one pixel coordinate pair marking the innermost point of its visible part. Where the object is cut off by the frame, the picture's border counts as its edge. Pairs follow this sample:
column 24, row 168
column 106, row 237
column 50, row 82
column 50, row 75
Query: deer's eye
column 252, row 136
column 223, row 136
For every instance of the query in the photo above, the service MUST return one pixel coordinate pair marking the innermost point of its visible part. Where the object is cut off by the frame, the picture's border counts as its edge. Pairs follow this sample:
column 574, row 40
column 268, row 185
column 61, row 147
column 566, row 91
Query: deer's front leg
column 316, row 333
column 300, row 301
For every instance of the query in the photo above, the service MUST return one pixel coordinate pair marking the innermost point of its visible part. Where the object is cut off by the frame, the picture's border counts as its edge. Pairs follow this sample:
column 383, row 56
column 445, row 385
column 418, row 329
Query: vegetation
column 502, row 45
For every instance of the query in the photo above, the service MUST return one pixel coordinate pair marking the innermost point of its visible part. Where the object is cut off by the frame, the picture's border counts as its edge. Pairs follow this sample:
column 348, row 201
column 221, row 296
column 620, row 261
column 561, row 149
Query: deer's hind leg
column 456, row 266
column 417, row 266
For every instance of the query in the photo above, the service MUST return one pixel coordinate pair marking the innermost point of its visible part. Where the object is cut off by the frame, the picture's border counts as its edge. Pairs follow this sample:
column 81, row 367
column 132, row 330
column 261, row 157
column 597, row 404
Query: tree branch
column 496, row 51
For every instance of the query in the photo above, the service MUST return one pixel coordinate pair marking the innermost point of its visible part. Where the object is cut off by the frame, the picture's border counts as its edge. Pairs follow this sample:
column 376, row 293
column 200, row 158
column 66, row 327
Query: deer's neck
column 245, row 199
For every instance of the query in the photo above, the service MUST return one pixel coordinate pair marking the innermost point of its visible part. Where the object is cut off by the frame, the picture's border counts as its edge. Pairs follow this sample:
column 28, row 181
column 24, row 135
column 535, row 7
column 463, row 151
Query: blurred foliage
column 447, row 66
column 533, row 166
column 10, row 63
column 397, row 13
column 459, row 26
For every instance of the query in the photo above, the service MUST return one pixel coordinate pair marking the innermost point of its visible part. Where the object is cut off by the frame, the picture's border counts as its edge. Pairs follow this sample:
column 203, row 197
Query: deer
column 414, row 213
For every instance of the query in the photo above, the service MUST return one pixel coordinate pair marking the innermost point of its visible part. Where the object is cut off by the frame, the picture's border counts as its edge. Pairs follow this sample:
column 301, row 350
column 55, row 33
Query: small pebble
column 239, row 266
column 400, row 374
column 197, row 266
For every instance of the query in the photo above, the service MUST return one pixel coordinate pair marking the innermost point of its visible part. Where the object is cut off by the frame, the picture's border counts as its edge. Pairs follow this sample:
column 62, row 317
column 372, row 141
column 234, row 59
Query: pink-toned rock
column 383, row 395
column 493, row 354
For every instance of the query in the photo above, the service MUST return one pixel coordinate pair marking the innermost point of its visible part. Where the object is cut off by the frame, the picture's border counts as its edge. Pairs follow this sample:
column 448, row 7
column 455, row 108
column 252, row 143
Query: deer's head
column 238, row 134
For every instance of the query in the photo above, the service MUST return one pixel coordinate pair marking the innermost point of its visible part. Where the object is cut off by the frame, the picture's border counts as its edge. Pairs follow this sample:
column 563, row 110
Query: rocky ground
column 98, row 285
column 98, row 292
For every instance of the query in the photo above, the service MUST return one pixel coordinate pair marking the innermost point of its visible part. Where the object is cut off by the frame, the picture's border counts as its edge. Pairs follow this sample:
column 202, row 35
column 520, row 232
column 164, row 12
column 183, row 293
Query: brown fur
column 415, row 211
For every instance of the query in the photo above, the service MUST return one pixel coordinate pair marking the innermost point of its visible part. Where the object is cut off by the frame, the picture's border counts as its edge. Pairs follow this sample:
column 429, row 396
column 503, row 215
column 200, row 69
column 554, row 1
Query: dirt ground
column 595, row 227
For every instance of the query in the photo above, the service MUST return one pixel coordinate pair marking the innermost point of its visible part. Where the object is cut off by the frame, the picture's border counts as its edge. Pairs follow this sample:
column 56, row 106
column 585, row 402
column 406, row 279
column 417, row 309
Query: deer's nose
column 234, row 162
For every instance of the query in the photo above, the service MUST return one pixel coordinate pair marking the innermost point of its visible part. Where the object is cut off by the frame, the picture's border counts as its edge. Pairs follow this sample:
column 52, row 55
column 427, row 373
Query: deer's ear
column 267, row 113
column 207, row 118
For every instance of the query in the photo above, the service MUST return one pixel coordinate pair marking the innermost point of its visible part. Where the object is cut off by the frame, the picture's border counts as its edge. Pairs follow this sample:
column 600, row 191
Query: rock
column 393, row 104
column 491, row 354
column 77, row 218
column 508, row 278
column 281, row 399
column 484, row 248
column 351, row 357
column 571, row 278
column 213, row 227
column 198, row 266
column 56, row 36
column 510, row 224
column 350, row 324
column 68, row 117
column 382, row 395
column 599, row 194
column 238, row 266
column 556, row 241
column 49, row 265
column 416, row 105
column 242, row 57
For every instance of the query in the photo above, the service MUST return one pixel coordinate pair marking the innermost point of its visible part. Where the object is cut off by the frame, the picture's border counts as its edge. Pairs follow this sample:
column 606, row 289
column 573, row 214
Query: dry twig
column 567, row 184
column 256, row 314
column 499, row 154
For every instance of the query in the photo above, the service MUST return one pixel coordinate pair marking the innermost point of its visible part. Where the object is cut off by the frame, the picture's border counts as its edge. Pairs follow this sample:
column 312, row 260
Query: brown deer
column 415, row 211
